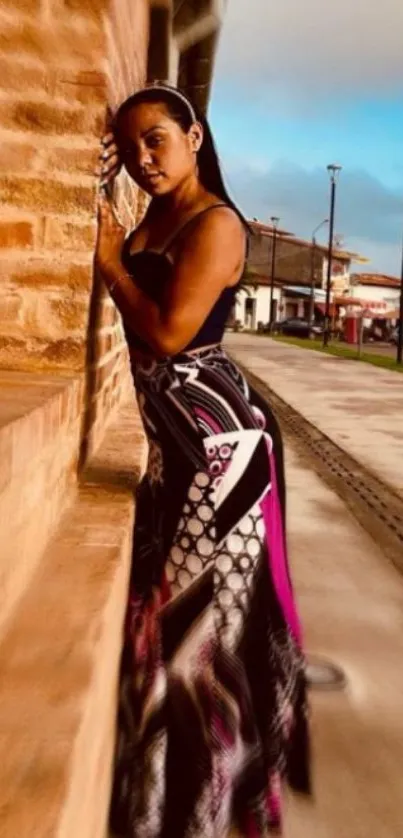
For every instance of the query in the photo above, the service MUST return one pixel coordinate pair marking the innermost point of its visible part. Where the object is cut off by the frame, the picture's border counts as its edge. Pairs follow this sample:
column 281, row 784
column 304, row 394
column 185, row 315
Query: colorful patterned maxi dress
column 212, row 713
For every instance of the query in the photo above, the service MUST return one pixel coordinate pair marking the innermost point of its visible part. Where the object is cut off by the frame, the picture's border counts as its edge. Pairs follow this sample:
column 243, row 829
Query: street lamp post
column 334, row 171
column 399, row 356
column 274, row 221
column 313, row 253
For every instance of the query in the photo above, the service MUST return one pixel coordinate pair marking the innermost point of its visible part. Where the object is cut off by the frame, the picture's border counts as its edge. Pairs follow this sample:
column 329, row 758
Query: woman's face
column 154, row 149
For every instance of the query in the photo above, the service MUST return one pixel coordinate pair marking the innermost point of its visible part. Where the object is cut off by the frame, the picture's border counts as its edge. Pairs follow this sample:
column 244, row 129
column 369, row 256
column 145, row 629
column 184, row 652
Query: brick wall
column 61, row 63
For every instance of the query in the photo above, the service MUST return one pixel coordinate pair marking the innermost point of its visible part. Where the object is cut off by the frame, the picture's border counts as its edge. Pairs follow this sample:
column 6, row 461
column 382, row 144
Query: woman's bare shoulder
column 217, row 223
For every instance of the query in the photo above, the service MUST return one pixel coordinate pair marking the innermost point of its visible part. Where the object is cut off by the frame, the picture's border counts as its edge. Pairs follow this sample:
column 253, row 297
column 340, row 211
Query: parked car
column 300, row 327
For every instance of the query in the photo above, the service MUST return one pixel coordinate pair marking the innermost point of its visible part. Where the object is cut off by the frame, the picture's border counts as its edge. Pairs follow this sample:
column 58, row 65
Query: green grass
column 342, row 352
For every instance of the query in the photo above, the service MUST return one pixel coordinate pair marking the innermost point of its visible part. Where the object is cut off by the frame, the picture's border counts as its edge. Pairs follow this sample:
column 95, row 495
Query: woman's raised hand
column 111, row 235
column 110, row 164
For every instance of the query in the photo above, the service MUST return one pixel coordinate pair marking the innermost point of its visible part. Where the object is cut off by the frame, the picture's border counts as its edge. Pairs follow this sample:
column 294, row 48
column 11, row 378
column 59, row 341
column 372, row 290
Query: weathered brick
column 107, row 311
column 24, row 36
column 86, row 87
column 45, row 118
column 36, row 354
column 92, row 7
column 58, row 40
column 71, row 313
column 106, row 396
column 10, row 308
column 83, row 160
column 17, row 76
column 17, row 156
column 103, row 344
column 72, row 403
column 66, row 405
column 17, row 233
column 5, row 451
column 49, row 195
column 91, row 78
column 32, row 6
column 65, row 354
column 68, row 235
column 36, row 272
column 104, row 372
column 44, row 315
column 54, row 62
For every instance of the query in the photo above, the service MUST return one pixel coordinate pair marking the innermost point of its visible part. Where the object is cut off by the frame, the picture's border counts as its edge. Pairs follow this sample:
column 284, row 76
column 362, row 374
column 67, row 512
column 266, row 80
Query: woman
column 212, row 701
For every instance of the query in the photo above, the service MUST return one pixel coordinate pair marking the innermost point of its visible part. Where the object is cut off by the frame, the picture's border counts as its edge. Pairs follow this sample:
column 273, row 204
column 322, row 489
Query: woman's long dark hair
column 180, row 110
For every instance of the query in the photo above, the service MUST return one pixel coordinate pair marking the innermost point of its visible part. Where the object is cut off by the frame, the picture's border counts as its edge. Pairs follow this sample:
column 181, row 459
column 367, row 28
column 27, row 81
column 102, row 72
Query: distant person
column 212, row 708
column 338, row 328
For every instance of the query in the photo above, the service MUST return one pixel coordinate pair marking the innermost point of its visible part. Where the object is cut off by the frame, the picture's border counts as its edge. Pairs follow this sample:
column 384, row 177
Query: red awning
column 347, row 301
column 357, row 302
column 322, row 309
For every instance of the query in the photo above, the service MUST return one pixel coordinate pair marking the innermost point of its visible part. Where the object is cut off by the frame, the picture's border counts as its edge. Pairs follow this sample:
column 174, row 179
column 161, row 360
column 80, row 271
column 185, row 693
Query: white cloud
column 368, row 213
column 309, row 57
column 384, row 258
column 315, row 47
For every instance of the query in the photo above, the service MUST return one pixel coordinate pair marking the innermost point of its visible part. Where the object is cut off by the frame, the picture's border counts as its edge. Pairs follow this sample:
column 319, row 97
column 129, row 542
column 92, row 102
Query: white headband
column 166, row 88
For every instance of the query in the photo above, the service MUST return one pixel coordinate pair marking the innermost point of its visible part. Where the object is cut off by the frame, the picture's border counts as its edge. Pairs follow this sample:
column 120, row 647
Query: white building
column 297, row 264
column 379, row 291
column 252, row 304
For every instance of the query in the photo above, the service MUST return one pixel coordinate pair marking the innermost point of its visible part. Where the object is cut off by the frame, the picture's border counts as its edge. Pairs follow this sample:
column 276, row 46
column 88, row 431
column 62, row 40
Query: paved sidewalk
column 360, row 407
column 351, row 601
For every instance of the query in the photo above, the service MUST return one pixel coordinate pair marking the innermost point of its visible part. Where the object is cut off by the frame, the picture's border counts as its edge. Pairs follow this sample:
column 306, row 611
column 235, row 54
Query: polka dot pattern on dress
column 235, row 571
column 235, row 559
column 195, row 543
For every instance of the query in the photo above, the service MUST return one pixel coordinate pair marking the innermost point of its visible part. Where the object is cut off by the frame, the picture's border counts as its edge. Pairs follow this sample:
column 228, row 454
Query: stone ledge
column 40, row 426
column 60, row 656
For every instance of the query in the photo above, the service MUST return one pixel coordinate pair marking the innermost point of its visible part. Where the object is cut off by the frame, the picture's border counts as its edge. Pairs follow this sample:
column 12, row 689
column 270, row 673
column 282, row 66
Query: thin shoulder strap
column 190, row 221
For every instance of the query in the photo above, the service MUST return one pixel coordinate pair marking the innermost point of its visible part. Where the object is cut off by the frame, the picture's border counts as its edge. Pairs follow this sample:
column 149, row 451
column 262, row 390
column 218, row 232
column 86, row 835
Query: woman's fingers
column 107, row 153
column 110, row 163
column 107, row 212
column 107, row 138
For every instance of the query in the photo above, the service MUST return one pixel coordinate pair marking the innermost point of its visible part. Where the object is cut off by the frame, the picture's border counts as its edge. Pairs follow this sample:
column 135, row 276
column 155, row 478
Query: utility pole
column 313, row 254
column 399, row 357
column 274, row 220
column 334, row 171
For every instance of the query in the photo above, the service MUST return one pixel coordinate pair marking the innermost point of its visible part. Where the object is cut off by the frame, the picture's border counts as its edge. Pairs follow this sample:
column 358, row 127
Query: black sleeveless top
column 152, row 271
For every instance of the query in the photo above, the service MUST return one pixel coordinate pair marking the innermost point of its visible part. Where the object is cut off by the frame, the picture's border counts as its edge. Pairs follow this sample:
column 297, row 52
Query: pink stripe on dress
column 270, row 506
column 208, row 420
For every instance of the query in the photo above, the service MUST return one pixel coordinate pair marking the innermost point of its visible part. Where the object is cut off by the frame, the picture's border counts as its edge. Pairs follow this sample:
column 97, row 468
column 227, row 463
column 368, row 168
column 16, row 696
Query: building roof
column 305, row 290
column 376, row 280
column 255, row 277
column 341, row 255
column 267, row 229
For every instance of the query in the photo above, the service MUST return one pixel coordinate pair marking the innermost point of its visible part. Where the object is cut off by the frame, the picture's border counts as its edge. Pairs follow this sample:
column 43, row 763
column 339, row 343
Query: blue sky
column 295, row 90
